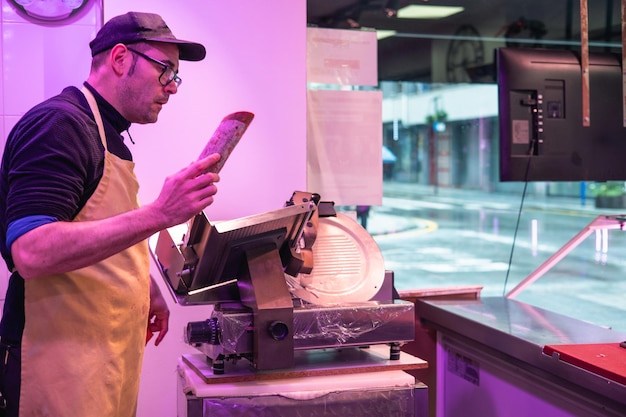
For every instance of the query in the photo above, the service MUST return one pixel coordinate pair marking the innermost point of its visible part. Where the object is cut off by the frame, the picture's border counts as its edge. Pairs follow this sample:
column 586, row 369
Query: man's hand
column 187, row 192
column 159, row 315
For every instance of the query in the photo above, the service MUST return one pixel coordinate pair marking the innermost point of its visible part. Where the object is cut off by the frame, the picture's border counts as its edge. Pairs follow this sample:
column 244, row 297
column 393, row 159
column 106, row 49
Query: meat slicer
column 298, row 278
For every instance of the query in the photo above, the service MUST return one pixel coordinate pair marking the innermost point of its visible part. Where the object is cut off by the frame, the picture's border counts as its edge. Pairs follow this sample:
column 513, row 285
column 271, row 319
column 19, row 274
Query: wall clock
column 49, row 10
column 465, row 51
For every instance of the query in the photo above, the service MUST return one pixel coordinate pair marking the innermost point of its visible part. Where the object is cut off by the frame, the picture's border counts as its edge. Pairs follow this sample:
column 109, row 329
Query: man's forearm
column 60, row 247
column 65, row 246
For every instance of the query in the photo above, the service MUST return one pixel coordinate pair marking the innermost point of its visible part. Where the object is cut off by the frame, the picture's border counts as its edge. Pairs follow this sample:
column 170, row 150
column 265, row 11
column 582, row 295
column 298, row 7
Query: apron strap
column 91, row 100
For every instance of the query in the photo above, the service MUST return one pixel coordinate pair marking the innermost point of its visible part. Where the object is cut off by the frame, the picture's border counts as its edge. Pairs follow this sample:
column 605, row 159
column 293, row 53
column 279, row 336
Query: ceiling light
column 417, row 11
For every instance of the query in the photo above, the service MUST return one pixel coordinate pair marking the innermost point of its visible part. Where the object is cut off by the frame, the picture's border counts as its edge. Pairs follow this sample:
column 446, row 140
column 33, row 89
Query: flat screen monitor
column 542, row 137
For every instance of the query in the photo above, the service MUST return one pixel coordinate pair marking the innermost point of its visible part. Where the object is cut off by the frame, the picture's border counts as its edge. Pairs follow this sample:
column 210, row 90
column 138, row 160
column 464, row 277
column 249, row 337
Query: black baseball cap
column 135, row 27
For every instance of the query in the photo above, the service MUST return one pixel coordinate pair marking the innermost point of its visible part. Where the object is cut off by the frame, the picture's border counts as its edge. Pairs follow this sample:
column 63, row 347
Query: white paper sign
column 344, row 146
column 342, row 57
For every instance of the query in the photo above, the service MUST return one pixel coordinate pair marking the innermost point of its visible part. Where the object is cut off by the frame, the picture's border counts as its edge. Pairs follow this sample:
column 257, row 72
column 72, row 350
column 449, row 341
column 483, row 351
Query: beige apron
column 85, row 330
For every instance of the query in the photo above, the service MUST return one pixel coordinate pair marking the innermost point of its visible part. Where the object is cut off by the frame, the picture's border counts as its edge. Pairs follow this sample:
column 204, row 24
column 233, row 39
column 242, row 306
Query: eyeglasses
column 167, row 75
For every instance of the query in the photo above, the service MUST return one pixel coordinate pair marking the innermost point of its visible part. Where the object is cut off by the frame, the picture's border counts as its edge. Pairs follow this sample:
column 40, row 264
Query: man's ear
column 120, row 58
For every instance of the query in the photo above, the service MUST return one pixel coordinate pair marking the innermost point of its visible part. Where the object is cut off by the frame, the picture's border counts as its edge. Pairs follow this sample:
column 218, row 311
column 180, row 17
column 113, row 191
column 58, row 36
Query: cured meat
column 226, row 137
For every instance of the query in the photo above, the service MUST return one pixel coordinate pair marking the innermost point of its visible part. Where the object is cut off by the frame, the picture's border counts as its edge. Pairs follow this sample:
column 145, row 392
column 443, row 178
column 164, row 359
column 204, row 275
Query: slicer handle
column 203, row 332
column 278, row 330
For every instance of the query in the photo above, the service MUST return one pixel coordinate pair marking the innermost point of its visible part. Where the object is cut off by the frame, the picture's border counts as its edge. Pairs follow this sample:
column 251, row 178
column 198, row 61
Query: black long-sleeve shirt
column 52, row 163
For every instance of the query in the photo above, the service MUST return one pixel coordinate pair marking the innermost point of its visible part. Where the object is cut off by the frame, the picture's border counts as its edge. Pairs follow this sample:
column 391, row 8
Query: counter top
column 310, row 363
column 521, row 332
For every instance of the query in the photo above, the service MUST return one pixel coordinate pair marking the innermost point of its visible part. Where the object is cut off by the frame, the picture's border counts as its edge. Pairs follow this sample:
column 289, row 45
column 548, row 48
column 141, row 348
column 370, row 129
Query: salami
column 226, row 137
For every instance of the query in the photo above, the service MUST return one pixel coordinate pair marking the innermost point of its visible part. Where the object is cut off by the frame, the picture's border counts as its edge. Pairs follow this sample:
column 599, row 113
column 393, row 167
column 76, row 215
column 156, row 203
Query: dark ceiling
column 411, row 54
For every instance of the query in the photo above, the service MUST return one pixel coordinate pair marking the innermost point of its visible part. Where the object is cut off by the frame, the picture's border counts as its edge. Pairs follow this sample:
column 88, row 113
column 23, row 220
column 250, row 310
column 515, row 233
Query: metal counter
column 514, row 334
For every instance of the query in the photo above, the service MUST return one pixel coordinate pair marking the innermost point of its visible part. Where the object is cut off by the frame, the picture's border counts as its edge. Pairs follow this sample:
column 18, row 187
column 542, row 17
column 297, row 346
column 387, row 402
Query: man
column 81, row 303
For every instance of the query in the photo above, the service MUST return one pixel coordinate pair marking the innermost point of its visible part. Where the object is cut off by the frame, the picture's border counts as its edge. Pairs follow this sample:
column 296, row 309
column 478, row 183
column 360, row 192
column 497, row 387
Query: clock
column 465, row 52
column 49, row 10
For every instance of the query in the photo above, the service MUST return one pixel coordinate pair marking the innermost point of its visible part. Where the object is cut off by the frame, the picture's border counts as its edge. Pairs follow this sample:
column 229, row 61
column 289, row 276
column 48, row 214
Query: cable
column 519, row 216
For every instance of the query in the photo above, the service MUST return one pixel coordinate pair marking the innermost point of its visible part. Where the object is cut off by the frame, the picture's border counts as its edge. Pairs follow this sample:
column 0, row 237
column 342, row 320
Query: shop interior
column 484, row 141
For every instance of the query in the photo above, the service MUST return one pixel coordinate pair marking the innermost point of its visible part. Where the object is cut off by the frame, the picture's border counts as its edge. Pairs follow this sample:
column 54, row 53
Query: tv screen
column 542, row 137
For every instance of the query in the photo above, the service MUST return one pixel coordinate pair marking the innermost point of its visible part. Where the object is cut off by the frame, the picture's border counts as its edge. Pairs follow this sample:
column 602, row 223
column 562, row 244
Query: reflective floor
column 437, row 238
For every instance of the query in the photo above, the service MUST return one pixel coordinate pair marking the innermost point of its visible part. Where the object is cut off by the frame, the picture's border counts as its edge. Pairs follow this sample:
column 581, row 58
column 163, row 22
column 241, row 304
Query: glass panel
column 446, row 218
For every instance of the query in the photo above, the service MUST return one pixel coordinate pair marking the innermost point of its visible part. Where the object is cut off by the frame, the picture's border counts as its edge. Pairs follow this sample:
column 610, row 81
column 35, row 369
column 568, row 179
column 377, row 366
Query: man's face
column 142, row 89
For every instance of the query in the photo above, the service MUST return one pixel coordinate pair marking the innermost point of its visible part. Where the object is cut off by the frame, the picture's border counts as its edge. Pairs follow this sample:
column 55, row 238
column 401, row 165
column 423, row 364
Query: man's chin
column 147, row 120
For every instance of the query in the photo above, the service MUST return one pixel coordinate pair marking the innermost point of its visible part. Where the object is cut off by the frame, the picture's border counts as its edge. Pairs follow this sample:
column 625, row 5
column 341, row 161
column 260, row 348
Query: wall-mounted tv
column 542, row 137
